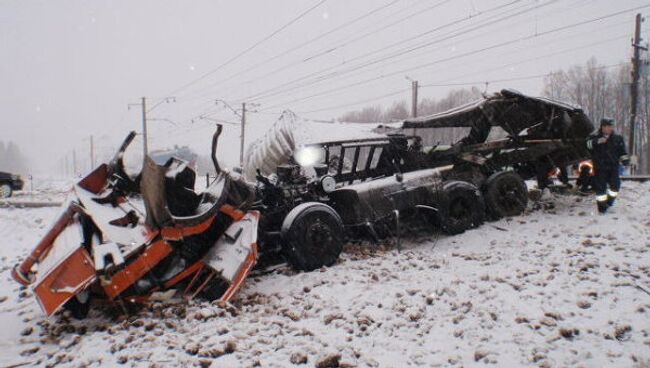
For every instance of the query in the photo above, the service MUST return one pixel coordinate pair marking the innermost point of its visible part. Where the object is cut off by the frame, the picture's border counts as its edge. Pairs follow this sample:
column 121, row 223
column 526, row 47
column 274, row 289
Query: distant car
column 9, row 183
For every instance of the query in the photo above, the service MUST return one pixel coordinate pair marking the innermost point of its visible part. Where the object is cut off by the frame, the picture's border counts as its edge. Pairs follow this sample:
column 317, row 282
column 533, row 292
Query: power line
column 294, row 48
column 542, row 56
column 346, row 43
column 492, row 81
column 400, row 42
column 383, row 65
column 162, row 101
column 270, row 92
column 458, row 84
column 253, row 46
column 535, row 58
column 331, row 49
column 403, row 90
column 473, row 52
column 481, row 71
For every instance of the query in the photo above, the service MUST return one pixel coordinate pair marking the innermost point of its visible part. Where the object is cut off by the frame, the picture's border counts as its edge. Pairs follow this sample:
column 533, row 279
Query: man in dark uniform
column 607, row 153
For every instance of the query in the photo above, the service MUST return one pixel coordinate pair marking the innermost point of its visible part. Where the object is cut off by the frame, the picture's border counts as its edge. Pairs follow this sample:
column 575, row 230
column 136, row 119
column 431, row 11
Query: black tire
column 312, row 236
column 461, row 208
column 5, row 190
column 506, row 195
column 79, row 305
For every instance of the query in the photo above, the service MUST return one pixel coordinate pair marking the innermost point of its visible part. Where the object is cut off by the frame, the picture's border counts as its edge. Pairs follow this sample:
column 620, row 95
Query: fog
column 70, row 69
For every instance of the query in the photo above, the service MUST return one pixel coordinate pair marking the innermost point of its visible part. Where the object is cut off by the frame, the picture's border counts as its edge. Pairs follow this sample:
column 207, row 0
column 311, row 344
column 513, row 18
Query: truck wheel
column 312, row 236
column 505, row 194
column 462, row 207
column 5, row 191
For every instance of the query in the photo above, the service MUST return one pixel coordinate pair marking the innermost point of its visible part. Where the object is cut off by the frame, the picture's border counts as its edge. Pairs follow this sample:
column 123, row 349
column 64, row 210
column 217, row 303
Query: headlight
column 307, row 156
column 273, row 179
column 327, row 183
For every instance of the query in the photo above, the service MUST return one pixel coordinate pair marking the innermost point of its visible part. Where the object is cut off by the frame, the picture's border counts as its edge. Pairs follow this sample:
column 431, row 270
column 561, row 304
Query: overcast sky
column 70, row 68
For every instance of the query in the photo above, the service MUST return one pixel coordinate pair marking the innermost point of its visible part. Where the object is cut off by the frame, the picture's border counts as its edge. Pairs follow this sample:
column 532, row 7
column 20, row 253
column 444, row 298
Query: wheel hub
column 458, row 209
column 319, row 232
column 509, row 196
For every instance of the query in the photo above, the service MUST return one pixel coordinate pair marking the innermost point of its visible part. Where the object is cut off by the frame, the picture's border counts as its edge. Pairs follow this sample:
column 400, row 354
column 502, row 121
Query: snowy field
column 557, row 287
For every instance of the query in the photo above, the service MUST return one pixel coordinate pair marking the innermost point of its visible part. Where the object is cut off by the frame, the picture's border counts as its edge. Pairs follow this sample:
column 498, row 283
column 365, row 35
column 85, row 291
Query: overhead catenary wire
column 204, row 93
column 160, row 102
column 537, row 76
column 248, row 49
column 455, row 84
column 480, row 71
column 400, row 91
column 268, row 109
column 399, row 53
column 538, row 57
column 320, row 76
column 473, row 52
column 511, row 79
column 383, row 65
column 410, row 16
column 437, row 4
column 449, row 84
column 345, row 43
column 574, row 48
column 307, row 42
column 473, row 16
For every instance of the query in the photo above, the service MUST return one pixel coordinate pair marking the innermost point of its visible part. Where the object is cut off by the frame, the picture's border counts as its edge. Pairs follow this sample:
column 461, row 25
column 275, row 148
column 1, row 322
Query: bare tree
column 604, row 92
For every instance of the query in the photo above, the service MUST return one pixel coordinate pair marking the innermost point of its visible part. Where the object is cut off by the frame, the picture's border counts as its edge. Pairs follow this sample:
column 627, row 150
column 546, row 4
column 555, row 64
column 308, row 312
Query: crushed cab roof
column 501, row 108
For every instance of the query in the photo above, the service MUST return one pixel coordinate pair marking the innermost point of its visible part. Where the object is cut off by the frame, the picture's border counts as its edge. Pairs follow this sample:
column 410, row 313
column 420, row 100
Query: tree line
column 603, row 91
column 399, row 110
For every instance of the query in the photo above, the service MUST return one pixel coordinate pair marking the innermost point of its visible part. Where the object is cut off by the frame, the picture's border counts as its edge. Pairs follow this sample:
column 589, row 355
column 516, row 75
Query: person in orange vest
column 607, row 153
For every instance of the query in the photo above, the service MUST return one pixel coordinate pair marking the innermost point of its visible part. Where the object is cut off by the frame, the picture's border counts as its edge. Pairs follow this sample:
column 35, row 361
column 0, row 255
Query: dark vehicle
column 407, row 169
column 127, row 239
column 538, row 135
column 9, row 183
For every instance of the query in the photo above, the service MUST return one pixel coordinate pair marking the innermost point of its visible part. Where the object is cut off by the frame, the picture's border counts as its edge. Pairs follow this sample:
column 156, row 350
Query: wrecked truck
column 510, row 137
column 124, row 240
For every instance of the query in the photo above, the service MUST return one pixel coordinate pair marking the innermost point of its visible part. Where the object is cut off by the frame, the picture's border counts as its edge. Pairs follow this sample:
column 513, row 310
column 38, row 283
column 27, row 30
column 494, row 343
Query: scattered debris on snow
column 556, row 290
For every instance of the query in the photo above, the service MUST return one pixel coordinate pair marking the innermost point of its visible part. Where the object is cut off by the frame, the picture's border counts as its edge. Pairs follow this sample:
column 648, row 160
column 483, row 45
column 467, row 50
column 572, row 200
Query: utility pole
column 145, row 148
column 414, row 98
column 143, row 106
column 634, row 87
column 92, row 153
column 243, row 132
column 74, row 163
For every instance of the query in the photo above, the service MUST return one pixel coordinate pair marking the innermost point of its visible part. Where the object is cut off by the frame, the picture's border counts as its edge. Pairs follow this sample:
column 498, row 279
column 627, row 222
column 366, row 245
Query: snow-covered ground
column 558, row 286
column 41, row 190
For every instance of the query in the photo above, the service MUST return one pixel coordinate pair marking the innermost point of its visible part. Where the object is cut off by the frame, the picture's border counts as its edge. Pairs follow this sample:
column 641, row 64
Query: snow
column 44, row 190
column 558, row 286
